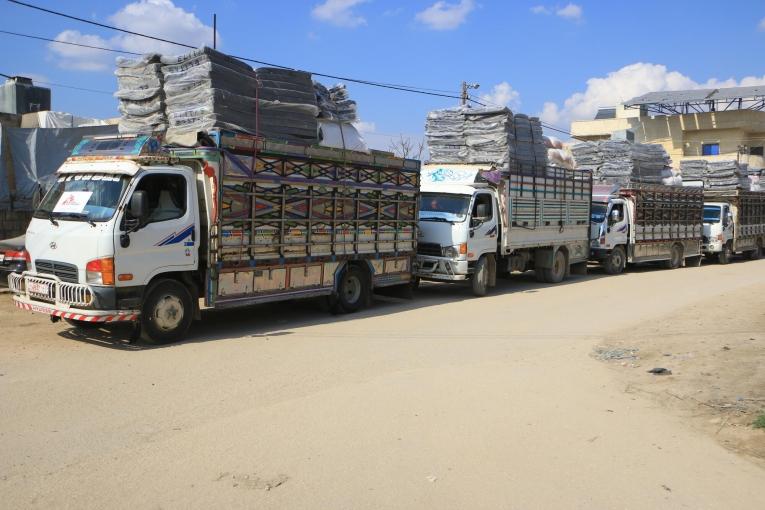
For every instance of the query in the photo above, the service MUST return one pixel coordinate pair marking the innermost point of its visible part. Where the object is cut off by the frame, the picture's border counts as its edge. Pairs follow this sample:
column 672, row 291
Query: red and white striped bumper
column 77, row 314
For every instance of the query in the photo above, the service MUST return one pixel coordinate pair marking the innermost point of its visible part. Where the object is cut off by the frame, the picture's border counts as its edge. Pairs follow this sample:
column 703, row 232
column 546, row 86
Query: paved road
column 445, row 401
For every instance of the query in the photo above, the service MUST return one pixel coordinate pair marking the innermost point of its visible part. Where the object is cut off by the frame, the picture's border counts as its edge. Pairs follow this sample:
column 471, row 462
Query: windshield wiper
column 82, row 216
column 436, row 218
column 52, row 219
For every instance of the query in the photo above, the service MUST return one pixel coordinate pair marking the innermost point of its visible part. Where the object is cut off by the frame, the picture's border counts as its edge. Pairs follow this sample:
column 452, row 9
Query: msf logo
column 53, row 246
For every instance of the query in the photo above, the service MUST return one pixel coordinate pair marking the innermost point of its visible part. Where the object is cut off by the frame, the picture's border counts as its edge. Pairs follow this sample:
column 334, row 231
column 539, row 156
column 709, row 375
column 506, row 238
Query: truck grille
column 431, row 249
column 64, row 272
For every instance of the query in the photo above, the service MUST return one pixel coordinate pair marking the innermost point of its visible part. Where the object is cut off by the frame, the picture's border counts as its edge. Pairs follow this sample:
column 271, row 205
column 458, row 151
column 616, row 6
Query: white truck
column 476, row 222
column 135, row 232
column 734, row 222
column 646, row 223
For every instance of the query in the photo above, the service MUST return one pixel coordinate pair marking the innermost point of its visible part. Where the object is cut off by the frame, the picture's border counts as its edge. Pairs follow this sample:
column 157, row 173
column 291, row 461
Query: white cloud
column 339, row 13
column 502, row 94
column 624, row 84
column 761, row 26
column 540, row 9
column 160, row 18
column 445, row 16
column 570, row 11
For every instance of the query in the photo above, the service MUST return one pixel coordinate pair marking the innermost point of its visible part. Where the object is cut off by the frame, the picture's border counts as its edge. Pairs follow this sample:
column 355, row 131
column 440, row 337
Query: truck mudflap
column 77, row 314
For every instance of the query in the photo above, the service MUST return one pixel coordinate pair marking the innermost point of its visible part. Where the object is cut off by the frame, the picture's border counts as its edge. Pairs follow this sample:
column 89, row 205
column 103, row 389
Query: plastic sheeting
column 49, row 119
column 341, row 135
column 36, row 153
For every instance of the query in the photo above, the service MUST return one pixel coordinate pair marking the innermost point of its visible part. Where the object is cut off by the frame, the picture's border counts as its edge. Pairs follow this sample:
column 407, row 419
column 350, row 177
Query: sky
column 557, row 60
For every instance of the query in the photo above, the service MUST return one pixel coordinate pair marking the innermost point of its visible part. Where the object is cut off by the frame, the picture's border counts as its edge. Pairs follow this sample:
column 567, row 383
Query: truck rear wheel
column 675, row 258
column 615, row 262
column 353, row 290
column 480, row 279
column 756, row 254
column 725, row 255
column 557, row 272
column 167, row 312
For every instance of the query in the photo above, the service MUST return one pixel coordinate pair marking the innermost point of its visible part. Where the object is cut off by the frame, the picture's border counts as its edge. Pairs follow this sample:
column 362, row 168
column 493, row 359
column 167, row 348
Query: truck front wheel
column 615, row 262
column 167, row 312
column 480, row 280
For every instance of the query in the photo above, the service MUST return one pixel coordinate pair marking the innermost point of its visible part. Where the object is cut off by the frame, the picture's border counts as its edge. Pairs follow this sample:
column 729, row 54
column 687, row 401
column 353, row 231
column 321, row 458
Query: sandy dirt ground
column 445, row 401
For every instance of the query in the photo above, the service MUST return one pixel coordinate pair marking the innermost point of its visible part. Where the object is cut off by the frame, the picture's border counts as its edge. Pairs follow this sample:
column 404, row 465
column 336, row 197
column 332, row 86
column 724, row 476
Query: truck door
column 483, row 226
column 168, row 238
column 618, row 225
column 727, row 223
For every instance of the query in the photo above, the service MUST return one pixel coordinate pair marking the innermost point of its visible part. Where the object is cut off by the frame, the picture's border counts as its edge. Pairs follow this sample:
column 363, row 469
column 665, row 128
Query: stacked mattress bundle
column 287, row 107
column 718, row 175
column 624, row 163
column 141, row 95
column 205, row 88
column 530, row 151
column 480, row 135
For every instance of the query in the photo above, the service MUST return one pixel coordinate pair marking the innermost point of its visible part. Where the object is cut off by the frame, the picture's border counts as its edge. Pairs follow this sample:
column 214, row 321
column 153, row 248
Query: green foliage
column 759, row 423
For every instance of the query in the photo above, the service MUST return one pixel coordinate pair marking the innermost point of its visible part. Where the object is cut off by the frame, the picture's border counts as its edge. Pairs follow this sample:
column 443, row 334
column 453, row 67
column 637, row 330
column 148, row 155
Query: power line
column 393, row 86
column 64, row 86
column 28, row 36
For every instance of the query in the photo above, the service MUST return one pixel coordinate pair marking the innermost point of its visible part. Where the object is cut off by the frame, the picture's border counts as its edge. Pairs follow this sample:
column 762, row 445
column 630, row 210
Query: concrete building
column 724, row 123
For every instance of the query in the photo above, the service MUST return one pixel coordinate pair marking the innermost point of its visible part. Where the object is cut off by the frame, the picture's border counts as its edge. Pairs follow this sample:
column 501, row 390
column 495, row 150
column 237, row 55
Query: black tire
column 725, row 256
column 755, row 254
column 557, row 272
column 167, row 312
column 480, row 279
column 82, row 324
column 353, row 290
column 675, row 258
column 616, row 261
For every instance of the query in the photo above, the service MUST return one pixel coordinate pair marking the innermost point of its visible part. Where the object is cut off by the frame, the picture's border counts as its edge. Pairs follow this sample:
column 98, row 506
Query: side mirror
column 139, row 206
column 616, row 216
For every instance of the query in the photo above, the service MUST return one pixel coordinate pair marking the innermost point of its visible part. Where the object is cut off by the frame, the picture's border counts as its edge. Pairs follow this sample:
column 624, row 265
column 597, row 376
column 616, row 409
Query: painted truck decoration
column 159, row 234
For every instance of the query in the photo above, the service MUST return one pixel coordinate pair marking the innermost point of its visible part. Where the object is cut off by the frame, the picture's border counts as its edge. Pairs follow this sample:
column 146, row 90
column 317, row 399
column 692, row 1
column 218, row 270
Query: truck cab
column 458, row 224
column 718, row 230
column 610, row 228
column 118, row 216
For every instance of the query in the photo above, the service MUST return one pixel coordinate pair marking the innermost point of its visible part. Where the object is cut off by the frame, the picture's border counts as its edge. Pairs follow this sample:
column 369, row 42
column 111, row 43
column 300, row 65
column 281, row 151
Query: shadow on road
column 277, row 319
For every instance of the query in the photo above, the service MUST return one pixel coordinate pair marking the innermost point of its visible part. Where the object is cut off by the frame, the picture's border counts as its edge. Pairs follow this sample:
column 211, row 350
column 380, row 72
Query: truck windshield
column 711, row 213
column 598, row 212
column 83, row 197
column 443, row 207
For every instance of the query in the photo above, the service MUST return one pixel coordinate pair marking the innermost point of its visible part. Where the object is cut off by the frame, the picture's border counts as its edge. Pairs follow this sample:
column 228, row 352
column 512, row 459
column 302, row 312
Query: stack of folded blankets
column 204, row 89
column 335, row 103
column 624, row 163
column 485, row 135
column 530, row 150
column 141, row 94
column 720, row 174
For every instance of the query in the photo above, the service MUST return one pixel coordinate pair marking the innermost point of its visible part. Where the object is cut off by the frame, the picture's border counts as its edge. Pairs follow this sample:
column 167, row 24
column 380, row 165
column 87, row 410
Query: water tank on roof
column 18, row 95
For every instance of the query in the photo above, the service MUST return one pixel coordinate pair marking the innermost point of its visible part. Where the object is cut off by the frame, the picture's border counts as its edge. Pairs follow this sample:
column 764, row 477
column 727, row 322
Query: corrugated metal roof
column 683, row 96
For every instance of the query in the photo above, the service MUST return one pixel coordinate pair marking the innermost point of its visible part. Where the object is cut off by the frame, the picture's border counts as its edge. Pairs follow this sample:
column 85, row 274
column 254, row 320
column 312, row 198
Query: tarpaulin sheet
column 36, row 153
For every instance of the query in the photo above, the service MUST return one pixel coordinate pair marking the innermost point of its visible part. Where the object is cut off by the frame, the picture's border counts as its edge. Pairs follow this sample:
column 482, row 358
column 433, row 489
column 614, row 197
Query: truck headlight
column 450, row 252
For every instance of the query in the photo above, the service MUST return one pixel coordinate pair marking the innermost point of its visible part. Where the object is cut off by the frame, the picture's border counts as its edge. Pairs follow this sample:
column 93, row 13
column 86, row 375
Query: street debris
column 660, row 371
column 616, row 353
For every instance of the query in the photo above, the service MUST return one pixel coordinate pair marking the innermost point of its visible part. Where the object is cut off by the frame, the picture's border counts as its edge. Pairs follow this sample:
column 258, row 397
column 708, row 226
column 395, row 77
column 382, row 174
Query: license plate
column 38, row 288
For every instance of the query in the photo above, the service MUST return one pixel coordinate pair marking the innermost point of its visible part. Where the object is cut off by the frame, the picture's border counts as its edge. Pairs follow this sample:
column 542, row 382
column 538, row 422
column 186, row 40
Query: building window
column 756, row 151
column 710, row 149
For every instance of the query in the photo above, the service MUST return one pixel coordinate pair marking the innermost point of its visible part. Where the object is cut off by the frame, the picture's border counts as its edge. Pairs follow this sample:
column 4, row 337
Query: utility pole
column 215, row 31
column 465, row 87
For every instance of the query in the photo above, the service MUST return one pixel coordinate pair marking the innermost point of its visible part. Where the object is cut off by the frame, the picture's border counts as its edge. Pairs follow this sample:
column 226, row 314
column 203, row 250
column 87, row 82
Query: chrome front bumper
column 49, row 289
column 439, row 268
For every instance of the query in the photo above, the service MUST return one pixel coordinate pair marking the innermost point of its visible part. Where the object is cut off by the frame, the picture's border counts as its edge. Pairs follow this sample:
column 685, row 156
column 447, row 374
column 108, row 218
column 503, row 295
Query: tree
column 405, row 147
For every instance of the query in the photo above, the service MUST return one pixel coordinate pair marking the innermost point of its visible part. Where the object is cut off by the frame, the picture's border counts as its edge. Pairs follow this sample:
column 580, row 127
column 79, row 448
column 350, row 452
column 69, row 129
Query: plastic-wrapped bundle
column 622, row 162
column 141, row 95
column 445, row 132
column 335, row 103
column 718, row 174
